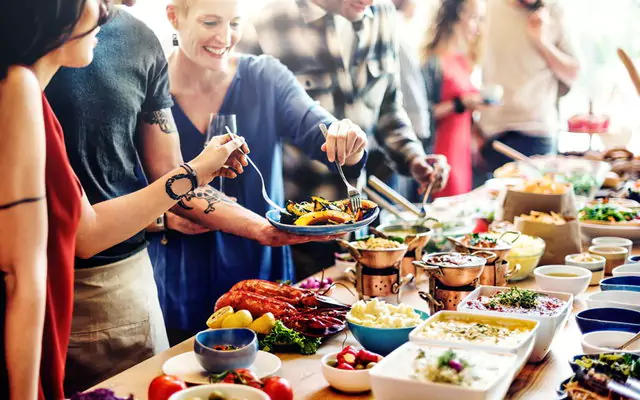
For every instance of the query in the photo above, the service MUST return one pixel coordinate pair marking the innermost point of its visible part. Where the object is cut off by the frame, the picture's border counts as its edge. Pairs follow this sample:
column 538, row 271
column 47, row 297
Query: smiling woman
column 208, row 77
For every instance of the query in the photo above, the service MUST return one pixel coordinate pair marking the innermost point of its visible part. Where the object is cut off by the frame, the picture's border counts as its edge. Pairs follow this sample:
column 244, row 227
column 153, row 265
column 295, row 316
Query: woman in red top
column 44, row 217
column 452, row 97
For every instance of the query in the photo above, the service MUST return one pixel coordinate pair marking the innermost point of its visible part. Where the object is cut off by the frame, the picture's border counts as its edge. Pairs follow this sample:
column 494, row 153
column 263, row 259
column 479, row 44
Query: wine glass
column 218, row 124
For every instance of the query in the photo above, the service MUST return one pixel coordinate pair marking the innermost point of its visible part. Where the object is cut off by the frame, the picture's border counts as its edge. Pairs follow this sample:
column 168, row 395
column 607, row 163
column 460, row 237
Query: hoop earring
column 175, row 40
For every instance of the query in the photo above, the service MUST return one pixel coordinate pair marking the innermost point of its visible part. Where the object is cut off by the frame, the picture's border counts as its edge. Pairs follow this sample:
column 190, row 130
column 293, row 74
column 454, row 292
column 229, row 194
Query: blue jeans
column 525, row 144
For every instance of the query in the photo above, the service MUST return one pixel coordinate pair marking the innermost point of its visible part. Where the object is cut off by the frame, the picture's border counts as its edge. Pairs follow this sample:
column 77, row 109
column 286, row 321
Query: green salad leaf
column 281, row 336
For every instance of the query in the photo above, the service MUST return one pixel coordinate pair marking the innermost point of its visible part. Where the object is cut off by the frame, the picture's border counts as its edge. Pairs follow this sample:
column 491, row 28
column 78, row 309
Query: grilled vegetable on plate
column 322, row 217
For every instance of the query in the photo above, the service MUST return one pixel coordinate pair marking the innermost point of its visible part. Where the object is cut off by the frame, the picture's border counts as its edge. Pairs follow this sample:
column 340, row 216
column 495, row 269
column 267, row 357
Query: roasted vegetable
column 322, row 217
column 320, row 211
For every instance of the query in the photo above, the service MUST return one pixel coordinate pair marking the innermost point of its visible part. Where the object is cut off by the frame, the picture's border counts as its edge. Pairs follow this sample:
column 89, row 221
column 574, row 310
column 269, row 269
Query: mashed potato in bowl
column 378, row 314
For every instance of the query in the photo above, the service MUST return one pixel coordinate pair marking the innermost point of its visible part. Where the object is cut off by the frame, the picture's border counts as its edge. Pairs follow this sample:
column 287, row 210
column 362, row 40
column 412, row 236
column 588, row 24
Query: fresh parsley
column 281, row 335
column 515, row 297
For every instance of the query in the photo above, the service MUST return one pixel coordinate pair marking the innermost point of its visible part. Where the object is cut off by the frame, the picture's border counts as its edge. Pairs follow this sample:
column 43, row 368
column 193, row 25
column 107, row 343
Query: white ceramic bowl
column 596, row 267
column 227, row 389
column 574, row 285
column 522, row 348
column 344, row 380
column 614, row 299
column 392, row 379
column 549, row 325
column 627, row 270
column 613, row 241
column 604, row 341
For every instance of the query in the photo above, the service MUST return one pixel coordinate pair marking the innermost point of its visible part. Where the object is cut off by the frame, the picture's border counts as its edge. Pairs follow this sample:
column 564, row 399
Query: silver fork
column 354, row 194
column 264, row 188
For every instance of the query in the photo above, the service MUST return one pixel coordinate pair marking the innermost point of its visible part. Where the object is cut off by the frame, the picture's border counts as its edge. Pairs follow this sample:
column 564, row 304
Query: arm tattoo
column 163, row 118
column 207, row 193
column 22, row 201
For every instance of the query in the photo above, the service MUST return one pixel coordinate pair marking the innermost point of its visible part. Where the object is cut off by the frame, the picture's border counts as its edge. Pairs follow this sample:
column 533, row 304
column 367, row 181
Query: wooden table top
column 536, row 381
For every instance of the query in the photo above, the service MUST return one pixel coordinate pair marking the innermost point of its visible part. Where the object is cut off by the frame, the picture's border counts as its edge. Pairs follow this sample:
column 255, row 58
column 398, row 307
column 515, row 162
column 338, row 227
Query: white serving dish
column 603, row 342
column 549, row 325
column 228, row 389
column 630, row 232
column 627, row 269
column 614, row 299
column 392, row 379
column 574, row 285
column 343, row 380
column 522, row 349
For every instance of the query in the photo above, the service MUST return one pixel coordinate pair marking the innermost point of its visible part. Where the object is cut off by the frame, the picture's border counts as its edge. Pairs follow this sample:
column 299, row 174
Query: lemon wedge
column 215, row 320
column 240, row 319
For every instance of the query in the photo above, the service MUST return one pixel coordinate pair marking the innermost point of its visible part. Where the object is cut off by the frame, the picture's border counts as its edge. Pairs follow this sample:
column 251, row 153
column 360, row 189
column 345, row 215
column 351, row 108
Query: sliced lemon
column 263, row 325
column 240, row 319
column 215, row 320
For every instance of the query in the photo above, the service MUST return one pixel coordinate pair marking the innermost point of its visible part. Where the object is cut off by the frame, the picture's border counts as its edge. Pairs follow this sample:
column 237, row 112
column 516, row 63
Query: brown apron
column 117, row 321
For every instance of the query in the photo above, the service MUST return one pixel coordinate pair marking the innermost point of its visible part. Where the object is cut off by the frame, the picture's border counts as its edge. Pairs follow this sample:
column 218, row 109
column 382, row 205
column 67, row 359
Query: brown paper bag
column 560, row 240
column 513, row 203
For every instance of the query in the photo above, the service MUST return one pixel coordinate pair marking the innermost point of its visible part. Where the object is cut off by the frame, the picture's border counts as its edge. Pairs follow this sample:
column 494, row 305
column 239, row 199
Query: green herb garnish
column 515, row 297
column 281, row 335
column 476, row 238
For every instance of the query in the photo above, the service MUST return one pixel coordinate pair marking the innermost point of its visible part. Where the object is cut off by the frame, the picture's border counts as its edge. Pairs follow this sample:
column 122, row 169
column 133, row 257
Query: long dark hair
column 446, row 18
column 29, row 29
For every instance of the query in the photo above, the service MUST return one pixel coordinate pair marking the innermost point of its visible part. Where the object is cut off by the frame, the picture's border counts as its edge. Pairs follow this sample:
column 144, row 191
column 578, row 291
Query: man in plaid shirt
column 345, row 54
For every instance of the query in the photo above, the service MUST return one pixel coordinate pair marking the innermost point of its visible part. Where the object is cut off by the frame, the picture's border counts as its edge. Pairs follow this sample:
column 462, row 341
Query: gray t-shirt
column 99, row 108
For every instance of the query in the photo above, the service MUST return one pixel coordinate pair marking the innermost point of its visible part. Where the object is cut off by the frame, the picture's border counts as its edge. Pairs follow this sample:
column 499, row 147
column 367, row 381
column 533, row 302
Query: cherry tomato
column 164, row 386
column 246, row 375
column 241, row 375
column 277, row 388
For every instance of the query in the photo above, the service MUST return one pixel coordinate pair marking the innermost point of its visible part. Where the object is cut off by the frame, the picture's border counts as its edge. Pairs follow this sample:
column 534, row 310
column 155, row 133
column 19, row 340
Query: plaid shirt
column 369, row 94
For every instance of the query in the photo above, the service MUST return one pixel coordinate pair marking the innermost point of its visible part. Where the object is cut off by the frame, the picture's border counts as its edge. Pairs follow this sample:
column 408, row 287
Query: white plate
column 186, row 367
column 597, row 230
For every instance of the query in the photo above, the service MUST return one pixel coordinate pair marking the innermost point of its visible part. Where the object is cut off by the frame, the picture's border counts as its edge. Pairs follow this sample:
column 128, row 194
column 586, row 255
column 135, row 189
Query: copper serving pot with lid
column 454, row 269
column 501, row 246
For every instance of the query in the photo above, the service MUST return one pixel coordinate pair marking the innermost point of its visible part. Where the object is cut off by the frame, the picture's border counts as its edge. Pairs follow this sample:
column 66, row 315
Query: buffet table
column 536, row 381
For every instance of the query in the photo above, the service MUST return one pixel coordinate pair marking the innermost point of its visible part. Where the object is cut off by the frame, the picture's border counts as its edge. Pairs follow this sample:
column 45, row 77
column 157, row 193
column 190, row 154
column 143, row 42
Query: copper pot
column 416, row 236
column 497, row 273
column 453, row 276
column 379, row 259
column 502, row 246
column 445, row 298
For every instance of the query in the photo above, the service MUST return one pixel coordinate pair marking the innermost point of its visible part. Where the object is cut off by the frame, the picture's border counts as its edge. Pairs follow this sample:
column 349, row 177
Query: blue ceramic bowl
column 634, row 259
column 273, row 216
column 216, row 361
column 382, row 340
column 608, row 319
column 630, row 283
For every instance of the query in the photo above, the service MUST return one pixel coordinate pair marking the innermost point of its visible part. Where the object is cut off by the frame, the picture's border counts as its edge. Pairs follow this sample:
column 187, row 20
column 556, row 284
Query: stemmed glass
column 218, row 124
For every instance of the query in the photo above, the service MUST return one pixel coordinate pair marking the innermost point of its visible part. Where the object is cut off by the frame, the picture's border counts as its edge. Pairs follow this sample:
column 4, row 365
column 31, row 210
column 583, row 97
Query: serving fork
column 355, row 198
column 264, row 188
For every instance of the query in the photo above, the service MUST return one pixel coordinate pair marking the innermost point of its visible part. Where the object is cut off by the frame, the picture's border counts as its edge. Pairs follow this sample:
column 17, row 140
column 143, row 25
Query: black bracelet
column 191, row 175
column 459, row 106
